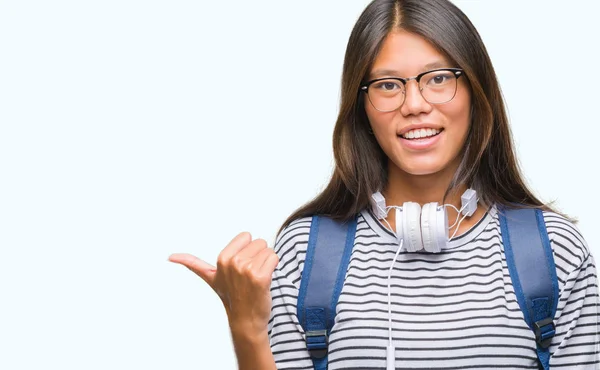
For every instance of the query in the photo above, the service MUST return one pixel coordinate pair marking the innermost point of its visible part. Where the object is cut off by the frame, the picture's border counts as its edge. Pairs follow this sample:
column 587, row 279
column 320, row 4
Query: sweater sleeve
column 576, row 343
column 285, row 332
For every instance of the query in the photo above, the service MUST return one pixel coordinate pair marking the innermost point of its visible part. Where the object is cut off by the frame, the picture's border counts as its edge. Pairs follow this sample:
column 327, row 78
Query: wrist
column 248, row 333
column 252, row 349
column 248, row 327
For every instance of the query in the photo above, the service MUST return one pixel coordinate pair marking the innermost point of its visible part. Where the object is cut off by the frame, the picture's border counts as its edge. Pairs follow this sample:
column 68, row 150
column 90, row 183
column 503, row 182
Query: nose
column 414, row 103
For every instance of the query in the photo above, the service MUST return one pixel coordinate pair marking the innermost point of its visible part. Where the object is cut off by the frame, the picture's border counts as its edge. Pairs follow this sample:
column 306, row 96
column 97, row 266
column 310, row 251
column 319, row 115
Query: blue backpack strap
column 531, row 265
column 327, row 256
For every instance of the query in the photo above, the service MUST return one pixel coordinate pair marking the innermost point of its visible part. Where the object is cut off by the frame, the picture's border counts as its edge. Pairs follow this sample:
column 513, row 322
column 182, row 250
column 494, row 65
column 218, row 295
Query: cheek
column 381, row 123
column 459, row 114
column 382, row 127
column 371, row 112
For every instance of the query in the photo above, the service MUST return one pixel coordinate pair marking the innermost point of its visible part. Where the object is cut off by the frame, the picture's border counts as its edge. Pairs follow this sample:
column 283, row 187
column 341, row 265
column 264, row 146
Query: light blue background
column 133, row 129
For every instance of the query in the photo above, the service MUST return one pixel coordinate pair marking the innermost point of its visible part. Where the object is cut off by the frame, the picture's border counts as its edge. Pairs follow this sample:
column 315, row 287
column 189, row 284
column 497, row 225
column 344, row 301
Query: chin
column 423, row 169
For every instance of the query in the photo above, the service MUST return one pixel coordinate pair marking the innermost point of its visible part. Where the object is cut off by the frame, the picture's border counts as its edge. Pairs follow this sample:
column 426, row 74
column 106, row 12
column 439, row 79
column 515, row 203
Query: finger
column 205, row 270
column 270, row 263
column 252, row 249
column 235, row 245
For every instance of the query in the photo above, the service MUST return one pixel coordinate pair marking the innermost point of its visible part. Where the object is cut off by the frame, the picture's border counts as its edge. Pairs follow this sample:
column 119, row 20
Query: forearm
column 253, row 351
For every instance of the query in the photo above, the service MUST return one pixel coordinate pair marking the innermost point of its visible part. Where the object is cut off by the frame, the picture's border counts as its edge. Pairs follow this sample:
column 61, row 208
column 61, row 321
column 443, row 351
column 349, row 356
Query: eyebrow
column 390, row 72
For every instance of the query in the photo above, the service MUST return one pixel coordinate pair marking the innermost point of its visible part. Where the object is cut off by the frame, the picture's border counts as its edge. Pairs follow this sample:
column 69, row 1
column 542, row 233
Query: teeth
column 421, row 133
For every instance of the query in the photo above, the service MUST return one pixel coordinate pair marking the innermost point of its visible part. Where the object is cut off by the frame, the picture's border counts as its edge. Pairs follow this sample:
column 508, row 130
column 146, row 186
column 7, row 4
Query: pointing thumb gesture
column 242, row 279
column 204, row 270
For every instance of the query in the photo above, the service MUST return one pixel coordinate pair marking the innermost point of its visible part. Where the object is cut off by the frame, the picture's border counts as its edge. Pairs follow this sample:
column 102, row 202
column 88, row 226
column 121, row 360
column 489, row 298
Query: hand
column 242, row 279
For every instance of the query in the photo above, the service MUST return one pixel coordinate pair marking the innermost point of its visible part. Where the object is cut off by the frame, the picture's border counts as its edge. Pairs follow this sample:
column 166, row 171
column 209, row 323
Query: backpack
column 528, row 256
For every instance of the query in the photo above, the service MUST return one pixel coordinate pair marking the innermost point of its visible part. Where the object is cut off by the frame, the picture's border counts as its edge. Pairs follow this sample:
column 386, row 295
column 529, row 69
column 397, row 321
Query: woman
column 421, row 120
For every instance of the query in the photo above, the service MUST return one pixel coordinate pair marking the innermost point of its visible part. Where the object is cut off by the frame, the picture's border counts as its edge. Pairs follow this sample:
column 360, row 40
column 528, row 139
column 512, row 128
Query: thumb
column 205, row 270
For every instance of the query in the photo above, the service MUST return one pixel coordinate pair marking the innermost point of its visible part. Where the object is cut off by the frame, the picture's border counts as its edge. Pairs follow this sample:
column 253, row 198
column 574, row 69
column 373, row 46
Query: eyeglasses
column 437, row 87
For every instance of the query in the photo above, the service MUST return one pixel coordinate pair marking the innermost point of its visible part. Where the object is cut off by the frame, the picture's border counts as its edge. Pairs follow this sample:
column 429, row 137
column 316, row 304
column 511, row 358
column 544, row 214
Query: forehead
column 406, row 54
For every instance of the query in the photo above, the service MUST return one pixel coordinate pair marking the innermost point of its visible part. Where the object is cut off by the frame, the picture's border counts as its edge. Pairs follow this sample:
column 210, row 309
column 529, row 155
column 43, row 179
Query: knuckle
column 261, row 242
column 261, row 255
column 255, row 279
column 237, row 262
column 245, row 237
column 270, row 254
column 275, row 257
column 223, row 260
column 247, row 269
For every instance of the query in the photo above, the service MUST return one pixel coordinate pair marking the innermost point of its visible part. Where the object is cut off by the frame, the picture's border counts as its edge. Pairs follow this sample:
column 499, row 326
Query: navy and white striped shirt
column 452, row 310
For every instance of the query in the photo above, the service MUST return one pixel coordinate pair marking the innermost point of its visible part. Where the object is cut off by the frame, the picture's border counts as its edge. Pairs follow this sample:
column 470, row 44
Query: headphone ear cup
column 399, row 224
column 441, row 233
column 427, row 225
column 411, row 224
column 434, row 227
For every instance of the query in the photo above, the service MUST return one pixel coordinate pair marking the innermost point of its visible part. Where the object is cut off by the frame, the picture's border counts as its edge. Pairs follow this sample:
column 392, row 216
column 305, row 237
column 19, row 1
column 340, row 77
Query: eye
column 437, row 79
column 387, row 86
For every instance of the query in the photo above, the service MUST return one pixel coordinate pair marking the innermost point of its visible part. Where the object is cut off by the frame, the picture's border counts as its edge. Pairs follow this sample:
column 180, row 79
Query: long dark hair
column 488, row 162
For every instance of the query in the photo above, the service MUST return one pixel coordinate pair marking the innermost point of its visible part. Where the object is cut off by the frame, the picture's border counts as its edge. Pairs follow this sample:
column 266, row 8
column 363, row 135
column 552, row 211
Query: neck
column 404, row 187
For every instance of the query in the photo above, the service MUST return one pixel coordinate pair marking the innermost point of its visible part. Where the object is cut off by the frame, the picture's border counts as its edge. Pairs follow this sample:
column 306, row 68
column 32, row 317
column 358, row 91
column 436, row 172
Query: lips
column 420, row 144
column 420, row 126
column 421, row 133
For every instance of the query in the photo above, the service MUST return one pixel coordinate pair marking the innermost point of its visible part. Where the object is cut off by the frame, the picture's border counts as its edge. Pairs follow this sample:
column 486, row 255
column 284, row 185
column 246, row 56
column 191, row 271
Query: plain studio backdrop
column 134, row 129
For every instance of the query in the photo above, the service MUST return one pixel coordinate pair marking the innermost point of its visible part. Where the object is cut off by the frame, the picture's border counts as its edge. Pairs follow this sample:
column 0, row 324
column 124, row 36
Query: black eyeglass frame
column 457, row 73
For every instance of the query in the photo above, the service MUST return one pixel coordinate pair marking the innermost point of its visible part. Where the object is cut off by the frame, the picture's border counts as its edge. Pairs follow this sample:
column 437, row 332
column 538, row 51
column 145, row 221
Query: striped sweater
column 452, row 310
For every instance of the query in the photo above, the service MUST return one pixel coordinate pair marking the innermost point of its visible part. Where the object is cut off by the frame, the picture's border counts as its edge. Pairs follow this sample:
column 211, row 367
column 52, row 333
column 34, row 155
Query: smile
column 421, row 133
column 420, row 139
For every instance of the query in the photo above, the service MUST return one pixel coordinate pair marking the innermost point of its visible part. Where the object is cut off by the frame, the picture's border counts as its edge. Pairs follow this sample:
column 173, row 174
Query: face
column 405, row 134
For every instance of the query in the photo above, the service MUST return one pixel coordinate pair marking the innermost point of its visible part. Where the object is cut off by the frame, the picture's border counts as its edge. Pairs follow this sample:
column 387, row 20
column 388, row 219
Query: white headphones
column 417, row 229
column 427, row 227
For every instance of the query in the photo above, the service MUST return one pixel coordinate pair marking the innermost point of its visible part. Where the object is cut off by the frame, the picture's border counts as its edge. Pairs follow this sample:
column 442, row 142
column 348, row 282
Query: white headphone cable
column 391, row 350
column 459, row 211
column 457, row 226
column 386, row 210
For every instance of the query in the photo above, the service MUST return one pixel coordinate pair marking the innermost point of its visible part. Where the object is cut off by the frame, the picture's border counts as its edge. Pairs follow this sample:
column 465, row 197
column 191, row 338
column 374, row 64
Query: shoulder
column 569, row 246
column 290, row 245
